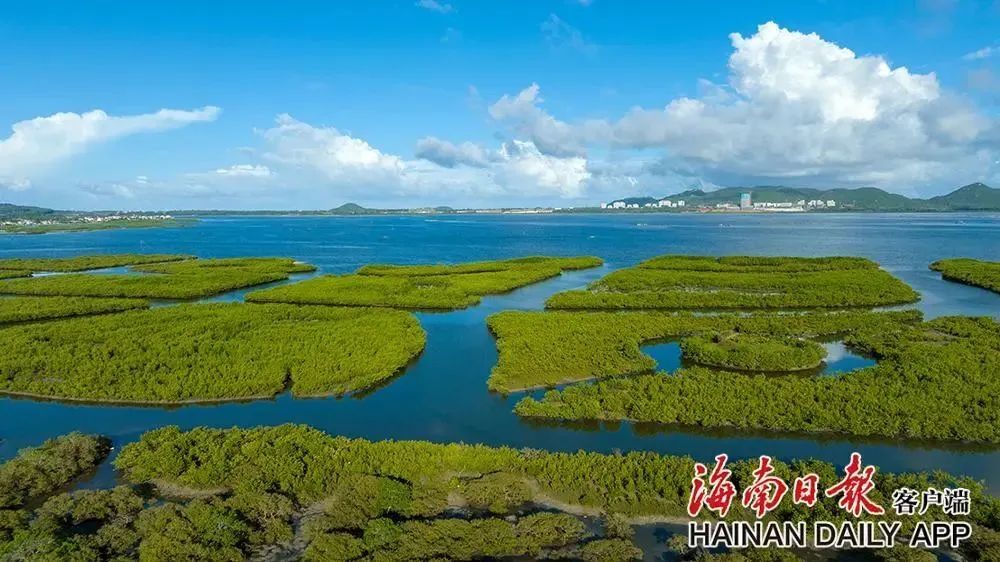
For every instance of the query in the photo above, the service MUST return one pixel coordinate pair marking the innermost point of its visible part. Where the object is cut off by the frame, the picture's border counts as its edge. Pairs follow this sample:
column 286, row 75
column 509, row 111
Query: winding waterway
column 442, row 397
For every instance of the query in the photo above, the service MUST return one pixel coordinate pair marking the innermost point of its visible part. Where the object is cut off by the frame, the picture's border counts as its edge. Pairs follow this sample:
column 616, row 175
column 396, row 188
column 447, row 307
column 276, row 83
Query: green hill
column 350, row 209
column 972, row 197
column 10, row 211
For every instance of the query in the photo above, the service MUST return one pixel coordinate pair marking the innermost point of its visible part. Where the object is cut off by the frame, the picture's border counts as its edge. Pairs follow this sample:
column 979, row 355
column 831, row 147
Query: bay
column 442, row 397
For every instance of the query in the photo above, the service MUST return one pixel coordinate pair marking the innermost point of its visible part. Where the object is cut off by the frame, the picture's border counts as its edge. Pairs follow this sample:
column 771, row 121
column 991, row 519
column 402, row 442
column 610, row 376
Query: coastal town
column 745, row 204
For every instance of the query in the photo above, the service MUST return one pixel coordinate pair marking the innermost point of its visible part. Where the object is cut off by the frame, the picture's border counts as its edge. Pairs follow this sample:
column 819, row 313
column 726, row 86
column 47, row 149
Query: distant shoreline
column 594, row 211
column 29, row 230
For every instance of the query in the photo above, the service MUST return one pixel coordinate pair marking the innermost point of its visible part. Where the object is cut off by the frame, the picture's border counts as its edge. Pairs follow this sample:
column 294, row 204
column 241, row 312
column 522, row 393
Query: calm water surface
column 443, row 396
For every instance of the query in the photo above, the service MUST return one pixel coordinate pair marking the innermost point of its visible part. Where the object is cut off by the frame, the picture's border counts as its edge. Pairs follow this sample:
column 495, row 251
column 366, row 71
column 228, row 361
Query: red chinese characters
column 718, row 494
column 854, row 488
column 766, row 491
column 806, row 489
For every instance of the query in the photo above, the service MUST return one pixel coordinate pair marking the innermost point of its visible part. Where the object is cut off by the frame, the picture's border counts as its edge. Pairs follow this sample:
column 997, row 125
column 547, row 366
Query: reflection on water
column 666, row 354
column 443, row 396
column 840, row 359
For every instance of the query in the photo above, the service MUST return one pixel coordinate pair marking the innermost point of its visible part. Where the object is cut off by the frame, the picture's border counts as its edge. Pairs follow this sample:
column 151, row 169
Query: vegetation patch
column 985, row 274
column 295, row 492
column 26, row 309
column 208, row 352
column 42, row 470
column 562, row 263
column 934, row 380
column 739, row 282
column 92, row 226
column 748, row 352
column 187, row 279
column 82, row 263
column 442, row 287
column 539, row 349
column 394, row 500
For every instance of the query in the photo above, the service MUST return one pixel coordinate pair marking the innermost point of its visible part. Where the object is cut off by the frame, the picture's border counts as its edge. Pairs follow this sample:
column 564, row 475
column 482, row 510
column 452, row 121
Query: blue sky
column 311, row 104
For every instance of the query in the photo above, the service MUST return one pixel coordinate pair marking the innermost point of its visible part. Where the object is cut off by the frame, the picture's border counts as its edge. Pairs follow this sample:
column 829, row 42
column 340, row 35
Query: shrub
column 44, row 469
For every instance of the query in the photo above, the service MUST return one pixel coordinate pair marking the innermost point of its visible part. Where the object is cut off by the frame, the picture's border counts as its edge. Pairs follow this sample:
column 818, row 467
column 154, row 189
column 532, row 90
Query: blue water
column 839, row 358
column 443, row 396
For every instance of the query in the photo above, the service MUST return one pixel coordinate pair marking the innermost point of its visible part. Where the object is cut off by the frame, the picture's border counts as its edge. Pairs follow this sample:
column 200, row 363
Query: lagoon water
column 442, row 397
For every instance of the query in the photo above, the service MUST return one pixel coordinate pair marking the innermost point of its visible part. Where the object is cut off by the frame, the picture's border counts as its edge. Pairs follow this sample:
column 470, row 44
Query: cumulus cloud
column 525, row 114
column 449, row 155
column 339, row 156
column 795, row 106
column 522, row 165
column 349, row 165
column 36, row 144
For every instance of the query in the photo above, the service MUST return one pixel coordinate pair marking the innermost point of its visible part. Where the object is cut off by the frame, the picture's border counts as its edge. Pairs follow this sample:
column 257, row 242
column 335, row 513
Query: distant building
column 604, row 205
column 665, row 203
column 831, row 203
column 745, row 202
column 680, row 203
column 618, row 205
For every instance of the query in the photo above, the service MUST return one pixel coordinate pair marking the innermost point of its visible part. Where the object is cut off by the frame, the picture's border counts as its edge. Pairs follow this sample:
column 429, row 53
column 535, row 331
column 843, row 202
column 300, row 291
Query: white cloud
column 435, row 6
column 984, row 53
column 796, row 106
column 245, row 171
column 351, row 166
column 449, row 155
column 522, row 166
column 36, row 144
column 338, row 156
column 551, row 136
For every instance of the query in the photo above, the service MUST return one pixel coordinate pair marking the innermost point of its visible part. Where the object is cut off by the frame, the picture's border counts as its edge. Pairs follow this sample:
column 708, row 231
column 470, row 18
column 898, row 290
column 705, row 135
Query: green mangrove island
column 291, row 491
column 207, row 352
column 83, row 263
column 443, row 287
column 748, row 352
column 741, row 282
column 548, row 348
column 184, row 279
column 978, row 273
column 933, row 380
column 27, row 309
